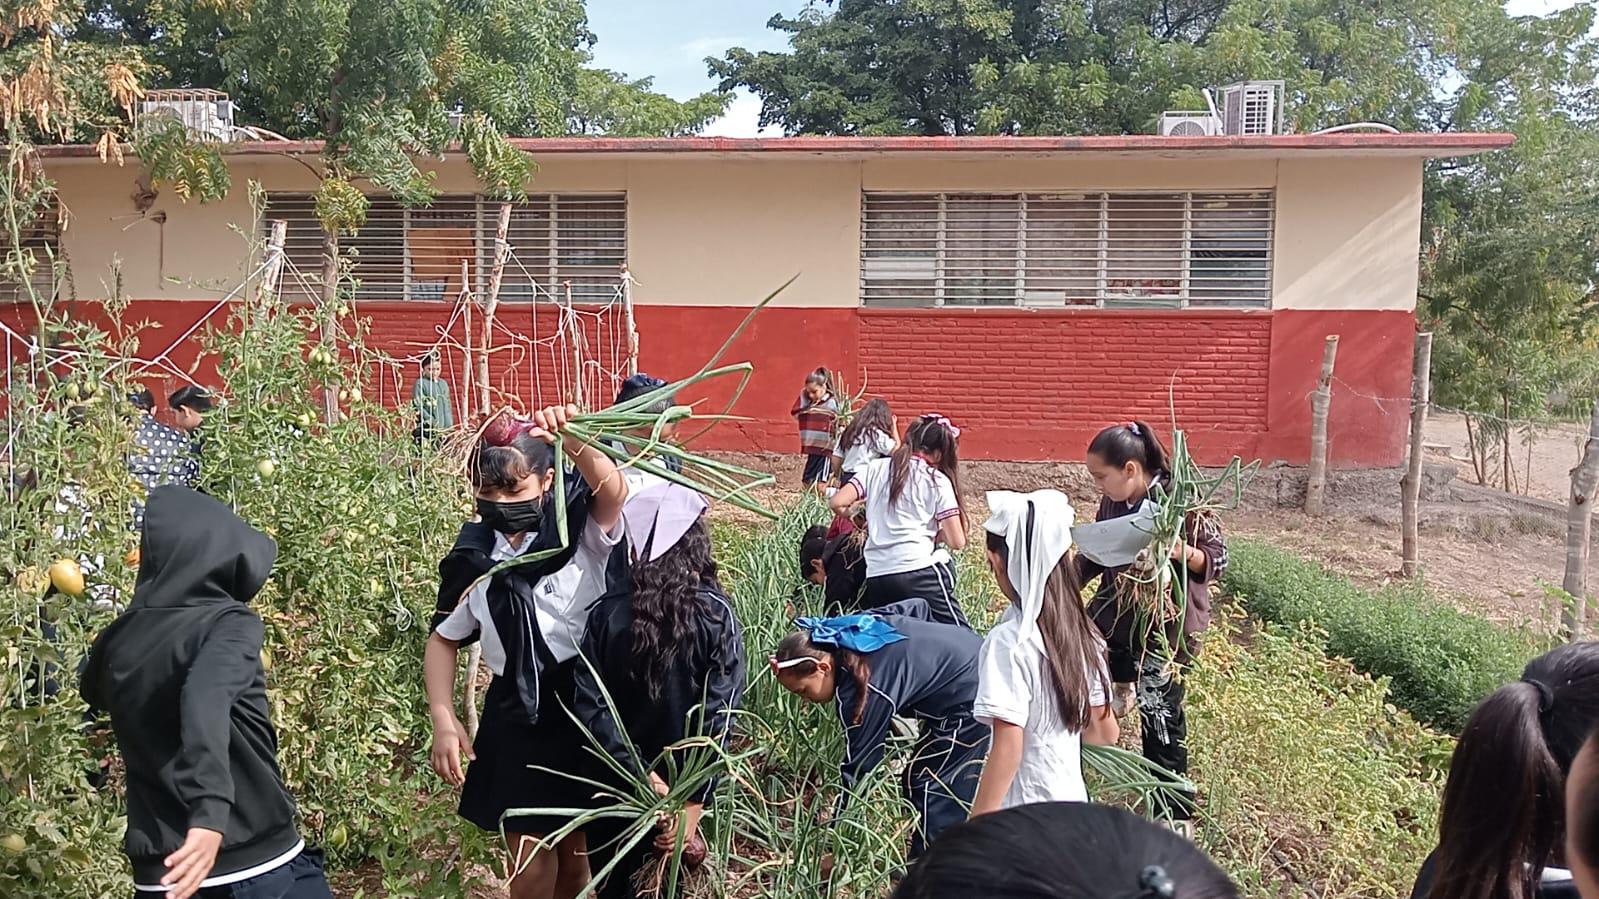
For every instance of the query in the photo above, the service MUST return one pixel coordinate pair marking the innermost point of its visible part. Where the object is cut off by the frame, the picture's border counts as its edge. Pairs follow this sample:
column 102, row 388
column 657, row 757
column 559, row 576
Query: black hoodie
column 180, row 672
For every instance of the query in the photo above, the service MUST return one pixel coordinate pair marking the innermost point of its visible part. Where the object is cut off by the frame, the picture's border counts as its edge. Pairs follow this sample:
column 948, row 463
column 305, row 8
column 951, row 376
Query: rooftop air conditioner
column 1252, row 107
column 1189, row 124
column 204, row 113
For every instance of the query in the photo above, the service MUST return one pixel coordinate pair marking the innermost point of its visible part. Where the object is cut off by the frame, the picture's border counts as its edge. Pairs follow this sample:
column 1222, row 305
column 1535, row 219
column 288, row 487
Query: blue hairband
column 859, row 632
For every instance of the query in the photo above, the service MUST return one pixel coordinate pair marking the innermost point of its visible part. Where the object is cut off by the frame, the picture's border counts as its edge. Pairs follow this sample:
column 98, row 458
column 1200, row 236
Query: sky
column 669, row 40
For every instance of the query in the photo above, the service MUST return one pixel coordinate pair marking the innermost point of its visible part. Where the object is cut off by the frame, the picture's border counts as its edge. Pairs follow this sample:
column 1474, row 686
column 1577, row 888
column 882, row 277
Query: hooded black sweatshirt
column 180, row 672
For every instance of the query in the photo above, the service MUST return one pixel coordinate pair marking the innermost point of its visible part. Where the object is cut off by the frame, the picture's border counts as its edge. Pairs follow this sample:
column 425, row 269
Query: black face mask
column 511, row 518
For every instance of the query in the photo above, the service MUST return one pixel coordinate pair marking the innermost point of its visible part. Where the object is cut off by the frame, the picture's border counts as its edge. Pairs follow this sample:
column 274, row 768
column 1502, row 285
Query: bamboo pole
column 1579, row 527
column 1316, row 487
column 632, row 326
column 1410, row 485
column 466, row 328
column 502, row 251
column 274, row 260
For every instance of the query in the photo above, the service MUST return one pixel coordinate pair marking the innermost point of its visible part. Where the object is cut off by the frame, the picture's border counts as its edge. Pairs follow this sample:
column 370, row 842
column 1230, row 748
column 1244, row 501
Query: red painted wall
column 1024, row 384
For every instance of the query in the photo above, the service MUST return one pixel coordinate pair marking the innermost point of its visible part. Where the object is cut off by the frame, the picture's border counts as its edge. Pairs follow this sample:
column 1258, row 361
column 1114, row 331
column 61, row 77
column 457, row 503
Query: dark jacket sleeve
column 724, row 688
column 846, row 574
column 864, row 742
column 1205, row 533
column 226, row 665
column 589, row 696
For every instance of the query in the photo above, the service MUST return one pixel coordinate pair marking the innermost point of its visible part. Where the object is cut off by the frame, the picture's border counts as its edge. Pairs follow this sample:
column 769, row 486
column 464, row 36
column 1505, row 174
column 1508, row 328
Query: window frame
column 1254, row 260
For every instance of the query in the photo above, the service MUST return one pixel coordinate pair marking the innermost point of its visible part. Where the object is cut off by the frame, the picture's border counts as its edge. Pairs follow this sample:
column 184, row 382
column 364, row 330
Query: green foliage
column 172, row 157
column 611, row 104
column 1441, row 662
column 1306, row 771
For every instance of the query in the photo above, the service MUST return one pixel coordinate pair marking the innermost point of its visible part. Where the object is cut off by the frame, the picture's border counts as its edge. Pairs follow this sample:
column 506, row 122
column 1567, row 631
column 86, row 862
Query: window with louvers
column 416, row 254
column 1122, row 249
column 41, row 242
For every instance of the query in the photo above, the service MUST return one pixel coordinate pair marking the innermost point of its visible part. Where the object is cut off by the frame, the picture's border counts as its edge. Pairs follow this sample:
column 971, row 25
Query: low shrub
column 1308, row 777
column 1440, row 661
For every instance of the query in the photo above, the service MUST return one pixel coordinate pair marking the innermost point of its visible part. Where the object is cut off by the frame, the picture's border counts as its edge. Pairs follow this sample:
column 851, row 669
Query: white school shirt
column 899, row 535
column 1013, row 687
column 873, row 445
column 562, row 600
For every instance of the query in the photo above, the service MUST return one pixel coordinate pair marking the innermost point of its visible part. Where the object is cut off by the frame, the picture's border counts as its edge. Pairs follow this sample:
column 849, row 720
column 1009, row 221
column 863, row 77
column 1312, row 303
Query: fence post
column 274, row 260
column 632, row 326
column 1410, row 485
column 502, row 251
column 1579, row 525
column 466, row 328
column 1316, row 486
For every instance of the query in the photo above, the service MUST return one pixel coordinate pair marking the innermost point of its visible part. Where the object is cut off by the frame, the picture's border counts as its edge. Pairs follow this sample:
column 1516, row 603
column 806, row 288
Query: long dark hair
column 1134, row 441
column 798, row 645
column 1503, row 805
column 666, row 601
column 1072, row 651
column 927, row 436
column 874, row 416
column 1016, row 853
column 502, row 463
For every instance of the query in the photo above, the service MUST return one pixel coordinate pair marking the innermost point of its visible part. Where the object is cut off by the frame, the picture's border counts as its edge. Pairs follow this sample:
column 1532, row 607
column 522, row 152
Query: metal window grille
column 416, row 254
column 40, row 259
column 1123, row 249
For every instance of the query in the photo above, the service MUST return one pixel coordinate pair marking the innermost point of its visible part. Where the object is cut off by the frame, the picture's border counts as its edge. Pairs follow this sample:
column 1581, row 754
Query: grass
column 1440, row 662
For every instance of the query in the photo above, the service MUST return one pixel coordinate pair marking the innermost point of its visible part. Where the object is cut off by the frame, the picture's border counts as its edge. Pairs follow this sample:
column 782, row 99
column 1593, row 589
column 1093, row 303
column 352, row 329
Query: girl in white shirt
column 912, row 506
column 872, row 434
column 1042, row 682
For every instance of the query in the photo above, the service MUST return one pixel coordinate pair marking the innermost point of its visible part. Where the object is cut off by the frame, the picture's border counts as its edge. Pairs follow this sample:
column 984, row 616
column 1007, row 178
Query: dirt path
column 1552, row 454
column 1479, row 556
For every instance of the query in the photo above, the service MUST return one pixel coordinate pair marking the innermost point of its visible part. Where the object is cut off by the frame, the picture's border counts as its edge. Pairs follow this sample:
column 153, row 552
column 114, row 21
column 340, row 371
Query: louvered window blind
column 416, row 254
column 1081, row 249
column 42, row 240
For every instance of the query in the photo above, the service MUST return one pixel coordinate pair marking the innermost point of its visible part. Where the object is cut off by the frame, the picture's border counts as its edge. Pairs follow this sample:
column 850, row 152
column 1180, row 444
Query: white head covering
column 1035, row 547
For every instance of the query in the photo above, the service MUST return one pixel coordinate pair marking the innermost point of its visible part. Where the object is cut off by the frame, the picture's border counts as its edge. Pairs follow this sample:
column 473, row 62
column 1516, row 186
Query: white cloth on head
column 1037, row 528
column 1014, row 684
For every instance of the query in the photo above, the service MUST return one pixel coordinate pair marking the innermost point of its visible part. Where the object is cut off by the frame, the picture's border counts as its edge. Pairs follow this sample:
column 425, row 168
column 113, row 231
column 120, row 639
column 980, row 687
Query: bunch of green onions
column 1148, row 585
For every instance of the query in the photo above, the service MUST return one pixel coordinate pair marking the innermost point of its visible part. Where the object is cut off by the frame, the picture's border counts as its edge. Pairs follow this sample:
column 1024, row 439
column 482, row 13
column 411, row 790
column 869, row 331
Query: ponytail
column 1503, row 806
column 821, row 376
column 1134, row 441
column 930, row 434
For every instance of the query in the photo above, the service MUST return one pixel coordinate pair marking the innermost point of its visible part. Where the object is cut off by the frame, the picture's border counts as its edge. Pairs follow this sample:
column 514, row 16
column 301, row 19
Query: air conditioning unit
column 1252, row 107
column 205, row 113
column 1189, row 124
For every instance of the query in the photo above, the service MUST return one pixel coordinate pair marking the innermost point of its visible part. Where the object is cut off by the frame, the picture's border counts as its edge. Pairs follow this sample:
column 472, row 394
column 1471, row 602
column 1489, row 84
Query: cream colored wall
column 1348, row 234
column 727, row 231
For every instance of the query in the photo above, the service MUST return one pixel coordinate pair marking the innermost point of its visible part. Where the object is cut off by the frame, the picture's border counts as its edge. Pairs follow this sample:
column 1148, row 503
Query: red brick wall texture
column 1024, row 385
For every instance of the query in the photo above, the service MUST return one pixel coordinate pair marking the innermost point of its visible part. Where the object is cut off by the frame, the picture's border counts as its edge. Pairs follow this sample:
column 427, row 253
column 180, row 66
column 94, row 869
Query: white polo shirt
column 899, row 534
column 562, row 599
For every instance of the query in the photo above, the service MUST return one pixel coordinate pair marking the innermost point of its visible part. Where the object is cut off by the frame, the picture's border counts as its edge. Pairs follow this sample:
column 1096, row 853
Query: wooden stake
column 502, row 252
column 330, row 297
column 1316, row 488
column 274, row 260
column 466, row 328
column 574, row 338
column 632, row 327
column 1579, row 526
column 1410, row 485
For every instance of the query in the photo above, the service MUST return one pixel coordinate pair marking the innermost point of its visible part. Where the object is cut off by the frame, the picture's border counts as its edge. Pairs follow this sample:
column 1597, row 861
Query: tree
column 609, row 103
column 882, row 66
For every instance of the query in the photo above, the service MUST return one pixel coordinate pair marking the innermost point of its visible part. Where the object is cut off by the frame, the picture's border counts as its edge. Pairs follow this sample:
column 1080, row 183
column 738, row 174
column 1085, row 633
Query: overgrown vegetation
column 1440, row 662
column 1309, row 778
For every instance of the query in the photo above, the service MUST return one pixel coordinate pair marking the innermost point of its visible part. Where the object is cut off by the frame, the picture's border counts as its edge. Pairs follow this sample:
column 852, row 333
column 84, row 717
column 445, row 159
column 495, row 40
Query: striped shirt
column 817, row 422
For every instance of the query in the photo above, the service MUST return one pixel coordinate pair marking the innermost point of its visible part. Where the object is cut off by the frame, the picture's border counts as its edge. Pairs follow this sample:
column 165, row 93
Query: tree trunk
column 1410, row 485
column 1579, row 525
column 1316, row 487
column 502, row 251
column 1507, row 463
column 324, row 314
column 1479, row 467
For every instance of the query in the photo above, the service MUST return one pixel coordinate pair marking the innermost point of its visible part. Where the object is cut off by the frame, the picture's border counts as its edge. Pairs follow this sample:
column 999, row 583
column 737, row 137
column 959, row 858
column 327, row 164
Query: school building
column 1034, row 289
